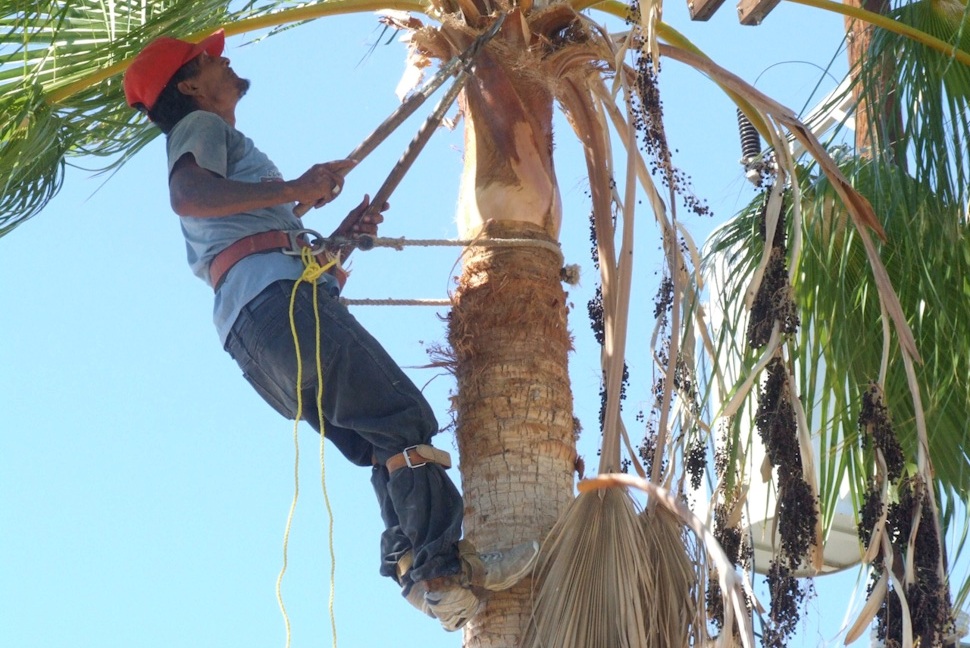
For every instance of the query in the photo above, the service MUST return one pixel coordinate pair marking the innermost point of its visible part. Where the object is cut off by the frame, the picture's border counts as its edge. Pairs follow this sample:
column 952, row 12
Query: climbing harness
column 399, row 243
column 569, row 273
column 291, row 242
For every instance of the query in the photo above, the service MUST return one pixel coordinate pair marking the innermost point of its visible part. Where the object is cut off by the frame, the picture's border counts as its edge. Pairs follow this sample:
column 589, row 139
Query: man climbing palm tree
column 243, row 239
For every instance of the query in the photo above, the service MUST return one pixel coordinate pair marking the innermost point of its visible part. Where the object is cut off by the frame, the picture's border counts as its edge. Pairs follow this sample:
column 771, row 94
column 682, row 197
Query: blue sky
column 144, row 487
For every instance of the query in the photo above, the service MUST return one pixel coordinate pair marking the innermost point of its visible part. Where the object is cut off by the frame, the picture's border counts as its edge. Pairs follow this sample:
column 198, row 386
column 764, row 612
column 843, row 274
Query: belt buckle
column 305, row 238
column 407, row 458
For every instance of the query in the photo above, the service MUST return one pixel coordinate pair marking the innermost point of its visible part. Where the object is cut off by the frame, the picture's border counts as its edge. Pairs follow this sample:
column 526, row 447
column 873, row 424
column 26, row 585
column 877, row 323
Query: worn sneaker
column 449, row 602
column 500, row 569
column 415, row 597
column 415, row 593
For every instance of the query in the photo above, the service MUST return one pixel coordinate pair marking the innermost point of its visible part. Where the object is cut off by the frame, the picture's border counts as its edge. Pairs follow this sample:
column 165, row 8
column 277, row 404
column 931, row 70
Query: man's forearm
column 201, row 194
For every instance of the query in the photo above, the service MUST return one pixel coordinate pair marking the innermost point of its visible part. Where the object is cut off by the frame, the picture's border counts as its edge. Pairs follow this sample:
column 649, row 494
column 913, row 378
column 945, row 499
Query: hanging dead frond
column 625, row 579
column 735, row 590
column 595, row 557
column 674, row 613
column 858, row 207
column 652, row 599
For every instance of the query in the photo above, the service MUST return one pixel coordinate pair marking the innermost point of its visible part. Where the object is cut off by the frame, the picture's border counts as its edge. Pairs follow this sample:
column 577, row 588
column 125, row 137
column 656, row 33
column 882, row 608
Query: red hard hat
column 155, row 65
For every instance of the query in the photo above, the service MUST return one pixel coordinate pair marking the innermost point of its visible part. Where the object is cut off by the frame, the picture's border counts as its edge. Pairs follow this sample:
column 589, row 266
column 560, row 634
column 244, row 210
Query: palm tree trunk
column 509, row 335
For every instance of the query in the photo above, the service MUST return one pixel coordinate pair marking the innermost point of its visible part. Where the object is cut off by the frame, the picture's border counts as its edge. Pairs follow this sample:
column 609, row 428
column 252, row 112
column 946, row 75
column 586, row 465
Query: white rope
column 569, row 274
column 401, row 243
column 395, row 302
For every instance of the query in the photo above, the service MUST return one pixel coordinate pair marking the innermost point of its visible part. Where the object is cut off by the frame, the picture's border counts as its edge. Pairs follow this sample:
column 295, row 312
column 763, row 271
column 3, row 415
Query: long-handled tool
column 458, row 66
column 364, row 241
column 395, row 119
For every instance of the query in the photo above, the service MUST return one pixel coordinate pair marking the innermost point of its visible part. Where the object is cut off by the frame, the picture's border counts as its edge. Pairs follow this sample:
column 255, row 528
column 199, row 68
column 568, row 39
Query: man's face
column 216, row 87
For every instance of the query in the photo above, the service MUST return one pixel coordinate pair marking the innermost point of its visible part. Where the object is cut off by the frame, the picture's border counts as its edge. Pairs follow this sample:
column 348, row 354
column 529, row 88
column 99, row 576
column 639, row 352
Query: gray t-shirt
column 220, row 148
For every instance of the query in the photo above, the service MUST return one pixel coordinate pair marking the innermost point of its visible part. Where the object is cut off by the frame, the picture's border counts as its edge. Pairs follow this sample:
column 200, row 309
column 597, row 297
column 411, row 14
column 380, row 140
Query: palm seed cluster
column 775, row 419
column 927, row 598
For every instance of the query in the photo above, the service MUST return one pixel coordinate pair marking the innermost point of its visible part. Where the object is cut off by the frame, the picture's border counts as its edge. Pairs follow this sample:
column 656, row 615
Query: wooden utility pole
column 870, row 133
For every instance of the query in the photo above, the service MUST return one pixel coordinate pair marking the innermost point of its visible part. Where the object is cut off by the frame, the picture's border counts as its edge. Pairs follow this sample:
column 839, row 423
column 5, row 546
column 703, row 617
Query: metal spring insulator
column 750, row 140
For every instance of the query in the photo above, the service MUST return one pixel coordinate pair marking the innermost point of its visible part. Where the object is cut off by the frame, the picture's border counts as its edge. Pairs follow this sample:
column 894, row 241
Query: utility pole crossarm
column 750, row 12
column 703, row 9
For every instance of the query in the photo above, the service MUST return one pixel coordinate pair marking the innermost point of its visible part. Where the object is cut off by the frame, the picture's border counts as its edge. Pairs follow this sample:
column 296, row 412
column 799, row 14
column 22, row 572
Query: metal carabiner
column 305, row 238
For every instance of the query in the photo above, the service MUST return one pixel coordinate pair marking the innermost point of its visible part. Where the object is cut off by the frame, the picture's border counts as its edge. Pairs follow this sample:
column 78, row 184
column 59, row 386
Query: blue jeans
column 371, row 411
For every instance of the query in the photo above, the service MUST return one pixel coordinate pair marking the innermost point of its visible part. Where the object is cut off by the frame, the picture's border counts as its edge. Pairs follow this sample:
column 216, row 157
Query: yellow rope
column 312, row 271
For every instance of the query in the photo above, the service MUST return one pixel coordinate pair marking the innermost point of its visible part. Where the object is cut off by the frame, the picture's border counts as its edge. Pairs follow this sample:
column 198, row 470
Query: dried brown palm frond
column 673, row 613
column 623, row 578
column 607, row 575
column 611, row 576
column 596, row 580
column 673, row 516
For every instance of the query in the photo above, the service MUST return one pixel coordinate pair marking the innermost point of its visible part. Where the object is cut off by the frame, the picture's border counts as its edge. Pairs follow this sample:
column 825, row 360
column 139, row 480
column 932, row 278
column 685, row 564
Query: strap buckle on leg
column 404, row 565
column 417, row 456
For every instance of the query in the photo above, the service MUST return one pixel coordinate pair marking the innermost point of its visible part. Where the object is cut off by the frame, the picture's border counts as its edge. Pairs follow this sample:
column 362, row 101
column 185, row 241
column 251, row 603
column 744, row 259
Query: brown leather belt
column 417, row 456
column 254, row 244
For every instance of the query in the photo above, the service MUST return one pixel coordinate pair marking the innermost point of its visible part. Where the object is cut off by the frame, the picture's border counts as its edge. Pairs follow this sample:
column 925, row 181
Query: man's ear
column 187, row 87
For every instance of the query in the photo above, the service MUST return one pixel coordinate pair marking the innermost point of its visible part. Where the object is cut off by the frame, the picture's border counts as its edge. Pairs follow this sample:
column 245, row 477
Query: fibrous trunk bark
column 508, row 331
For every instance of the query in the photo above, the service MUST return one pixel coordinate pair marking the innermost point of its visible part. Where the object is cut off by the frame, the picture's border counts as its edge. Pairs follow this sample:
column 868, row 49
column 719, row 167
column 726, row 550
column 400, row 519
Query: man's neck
column 228, row 115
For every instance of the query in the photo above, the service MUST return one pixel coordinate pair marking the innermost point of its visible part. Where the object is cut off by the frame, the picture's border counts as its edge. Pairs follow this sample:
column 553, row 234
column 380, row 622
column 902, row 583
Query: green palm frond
column 840, row 344
column 52, row 46
column 915, row 174
column 60, row 84
column 918, row 99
